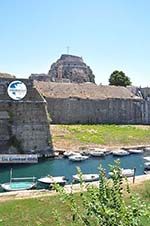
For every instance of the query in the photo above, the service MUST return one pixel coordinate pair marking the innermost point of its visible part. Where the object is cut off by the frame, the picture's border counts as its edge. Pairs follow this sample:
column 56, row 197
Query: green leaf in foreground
column 105, row 205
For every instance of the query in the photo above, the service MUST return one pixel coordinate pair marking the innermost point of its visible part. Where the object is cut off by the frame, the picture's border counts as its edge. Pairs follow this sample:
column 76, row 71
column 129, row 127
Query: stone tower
column 69, row 68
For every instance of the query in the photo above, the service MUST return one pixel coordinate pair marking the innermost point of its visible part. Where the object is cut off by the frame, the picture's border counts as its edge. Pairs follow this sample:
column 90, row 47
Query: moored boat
column 147, row 148
column 68, row 153
column 147, row 172
column 78, row 157
column 53, row 180
column 97, row 153
column 147, row 165
column 147, row 158
column 126, row 172
column 120, row 153
column 135, row 151
column 86, row 177
column 19, row 184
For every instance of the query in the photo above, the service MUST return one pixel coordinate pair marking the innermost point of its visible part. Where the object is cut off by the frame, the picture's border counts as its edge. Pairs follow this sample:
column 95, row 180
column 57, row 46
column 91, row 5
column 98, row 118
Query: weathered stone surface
column 71, row 68
column 23, row 124
column 6, row 75
column 88, row 111
column 40, row 77
column 13, row 150
column 70, row 103
column 83, row 91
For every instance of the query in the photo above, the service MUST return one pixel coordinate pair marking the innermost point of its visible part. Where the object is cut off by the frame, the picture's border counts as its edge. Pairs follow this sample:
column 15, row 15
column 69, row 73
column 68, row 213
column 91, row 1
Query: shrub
column 104, row 205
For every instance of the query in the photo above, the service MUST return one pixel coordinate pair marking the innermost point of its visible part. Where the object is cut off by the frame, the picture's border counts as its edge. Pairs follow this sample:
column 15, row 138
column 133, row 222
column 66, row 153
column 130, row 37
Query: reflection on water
column 64, row 167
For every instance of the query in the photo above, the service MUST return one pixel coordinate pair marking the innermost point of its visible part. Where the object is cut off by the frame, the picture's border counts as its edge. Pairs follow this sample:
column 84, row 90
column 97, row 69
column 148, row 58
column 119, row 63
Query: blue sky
column 109, row 35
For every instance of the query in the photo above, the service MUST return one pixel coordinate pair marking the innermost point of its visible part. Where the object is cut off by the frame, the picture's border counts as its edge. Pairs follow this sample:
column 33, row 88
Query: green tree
column 118, row 78
column 104, row 205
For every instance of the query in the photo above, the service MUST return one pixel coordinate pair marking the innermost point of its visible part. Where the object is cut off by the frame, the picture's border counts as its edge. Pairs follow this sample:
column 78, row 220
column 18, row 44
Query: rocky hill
column 69, row 68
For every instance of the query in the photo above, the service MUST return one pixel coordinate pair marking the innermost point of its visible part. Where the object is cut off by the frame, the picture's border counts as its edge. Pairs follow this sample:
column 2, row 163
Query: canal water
column 67, row 168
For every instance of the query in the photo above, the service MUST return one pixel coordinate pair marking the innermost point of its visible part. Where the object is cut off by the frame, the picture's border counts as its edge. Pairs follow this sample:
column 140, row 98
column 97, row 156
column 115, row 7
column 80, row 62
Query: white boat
column 56, row 154
column 19, row 184
column 135, row 151
column 97, row 153
column 108, row 152
column 147, row 165
column 53, row 180
column 78, row 157
column 86, row 177
column 68, row 153
column 147, row 148
column 147, row 158
column 120, row 153
column 125, row 172
column 147, row 172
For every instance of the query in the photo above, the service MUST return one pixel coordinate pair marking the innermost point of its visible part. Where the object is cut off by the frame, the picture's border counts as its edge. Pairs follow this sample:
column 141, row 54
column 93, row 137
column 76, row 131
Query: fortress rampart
column 89, row 103
column 118, row 111
column 24, row 124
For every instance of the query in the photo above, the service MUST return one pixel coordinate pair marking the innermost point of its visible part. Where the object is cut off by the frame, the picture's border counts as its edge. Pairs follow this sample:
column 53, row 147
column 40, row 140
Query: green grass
column 31, row 212
column 39, row 211
column 105, row 134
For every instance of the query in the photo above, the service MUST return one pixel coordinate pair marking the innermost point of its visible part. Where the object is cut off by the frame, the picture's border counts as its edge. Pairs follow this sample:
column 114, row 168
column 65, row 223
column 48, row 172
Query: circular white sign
column 17, row 90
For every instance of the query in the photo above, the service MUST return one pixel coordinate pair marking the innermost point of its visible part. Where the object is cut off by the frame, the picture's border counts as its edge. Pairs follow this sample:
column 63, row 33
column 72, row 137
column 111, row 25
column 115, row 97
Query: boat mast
column 11, row 174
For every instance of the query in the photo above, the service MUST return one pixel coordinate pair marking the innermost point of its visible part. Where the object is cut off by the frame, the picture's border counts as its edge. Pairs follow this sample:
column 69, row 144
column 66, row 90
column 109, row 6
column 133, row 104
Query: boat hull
column 78, row 158
column 125, row 173
column 86, row 177
column 18, row 186
column 147, row 172
column 97, row 154
column 147, row 165
column 147, row 158
column 135, row 151
column 52, row 180
column 68, row 154
column 120, row 153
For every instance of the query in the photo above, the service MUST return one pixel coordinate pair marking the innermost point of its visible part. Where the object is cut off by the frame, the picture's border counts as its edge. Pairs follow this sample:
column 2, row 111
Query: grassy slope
column 32, row 212
column 110, row 135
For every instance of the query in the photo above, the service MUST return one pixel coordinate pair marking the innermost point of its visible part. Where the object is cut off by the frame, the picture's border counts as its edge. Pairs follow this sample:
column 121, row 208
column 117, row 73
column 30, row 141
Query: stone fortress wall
column 73, row 96
column 69, row 95
column 24, row 124
column 87, row 103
